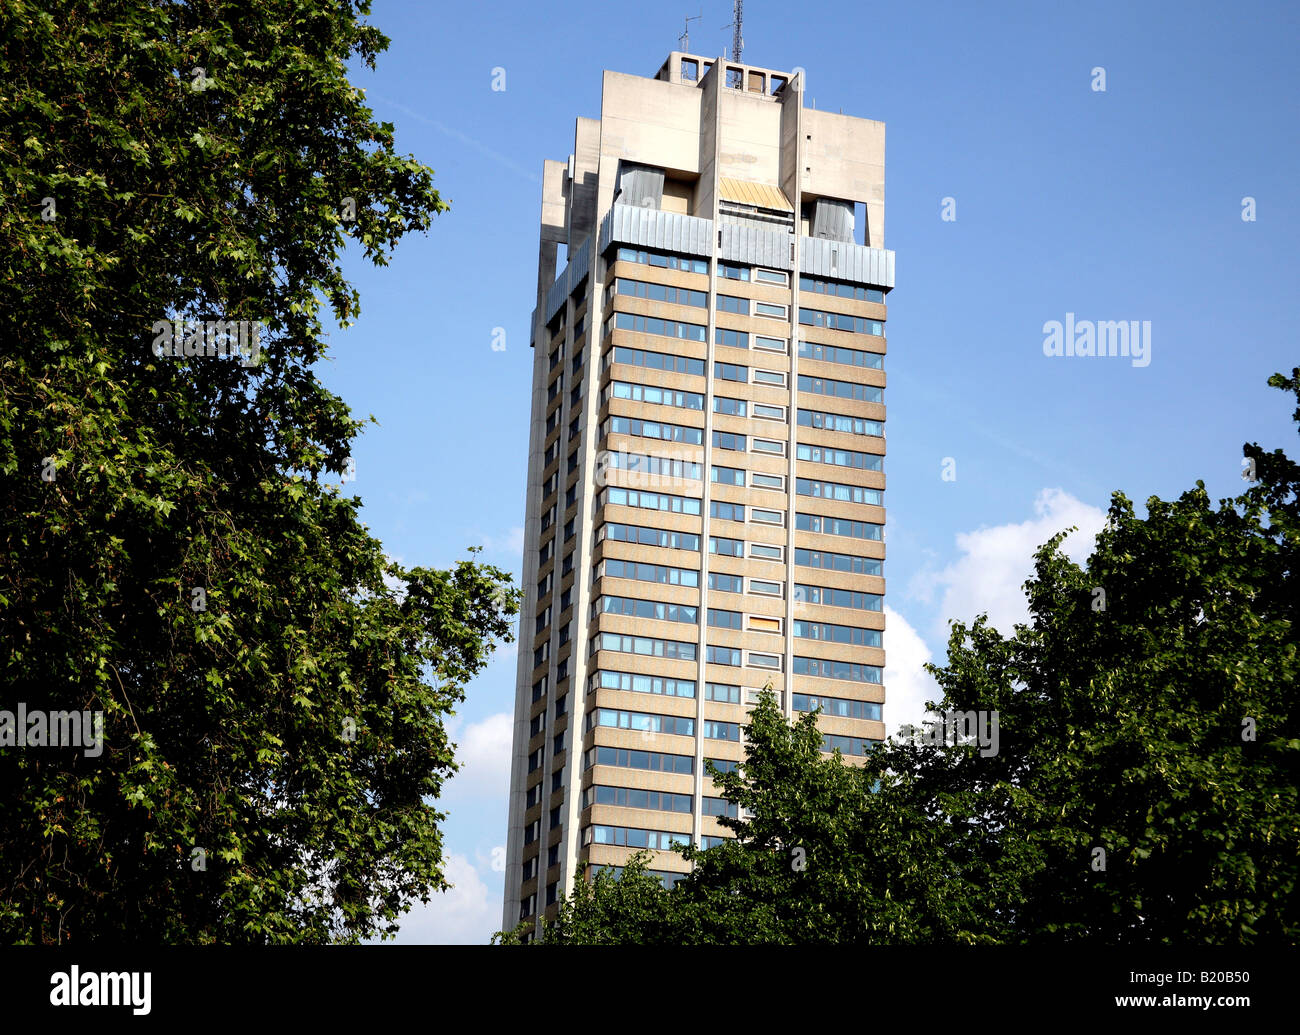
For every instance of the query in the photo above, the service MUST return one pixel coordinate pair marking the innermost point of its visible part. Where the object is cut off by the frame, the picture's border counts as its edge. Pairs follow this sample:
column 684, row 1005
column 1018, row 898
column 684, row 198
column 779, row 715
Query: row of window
column 628, row 837
column 733, row 657
column 744, row 273
column 838, row 597
column 740, row 340
column 627, row 758
column 848, row 745
column 838, row 526
column 743, row 408
column 634, row 607
column 846, row 357
column 841, row 289
column 720, row 807
column 840, row 389
column 837, row 561
column 671, row 468
column 651, row 464
column 654, row 360
column 636, row 798
column 747, row 375
column 837, row 633
column 661, row 801
column 724, row 547
column 652, row 722
column 722, row 619
column 691, row 264
column 837, row 706
column 650, row 761
column 727, row 583
column 846, row 670
column 840, row 322
column 715, row 729
column 645, row 722
column 758, row 375
column 647, row 646
column 837, row 491
column 726, row 336
column 655, row 761
column 839, row 457
column 668, row 879
column 695, row 401
column 685, row 263
column 649, row 501
column 739, row 443
column 642, row 571
column 840, row 422
column 658, row 396
column 655, row 325
column 757, row 479
column 638, row 428
column 727, row 511
column 642, row 684
column 648, row 536
column 732, row 584
column 661, row 293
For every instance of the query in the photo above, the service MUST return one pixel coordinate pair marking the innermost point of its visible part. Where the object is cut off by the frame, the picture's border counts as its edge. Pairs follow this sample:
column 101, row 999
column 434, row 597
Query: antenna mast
column 685, row 38
column 737, row 41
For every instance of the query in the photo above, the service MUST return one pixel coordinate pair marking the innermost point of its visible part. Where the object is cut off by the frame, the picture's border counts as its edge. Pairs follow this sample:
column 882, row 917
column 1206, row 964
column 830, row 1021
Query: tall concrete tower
column 705, row 507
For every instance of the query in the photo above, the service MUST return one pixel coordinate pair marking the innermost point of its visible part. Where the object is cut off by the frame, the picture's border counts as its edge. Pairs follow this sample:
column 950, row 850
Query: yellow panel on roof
column 746, row 192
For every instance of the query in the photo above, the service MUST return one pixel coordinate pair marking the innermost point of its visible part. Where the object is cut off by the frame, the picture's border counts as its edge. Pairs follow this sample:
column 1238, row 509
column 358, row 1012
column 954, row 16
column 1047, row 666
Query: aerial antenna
column 737, row 41
column 685, row 38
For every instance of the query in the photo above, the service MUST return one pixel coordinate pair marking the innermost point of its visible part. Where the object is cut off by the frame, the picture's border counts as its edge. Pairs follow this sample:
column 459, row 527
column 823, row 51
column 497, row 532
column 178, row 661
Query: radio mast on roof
column 737, row 41
column 685, row 38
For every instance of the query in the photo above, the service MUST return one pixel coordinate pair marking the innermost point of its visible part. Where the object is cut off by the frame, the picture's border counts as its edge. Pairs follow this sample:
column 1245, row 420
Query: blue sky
column 1117, row 205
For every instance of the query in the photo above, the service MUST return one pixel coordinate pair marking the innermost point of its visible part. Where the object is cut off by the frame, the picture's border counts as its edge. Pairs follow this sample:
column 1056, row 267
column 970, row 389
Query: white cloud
column 468, row 914
column 995, row 562
column 512, row 543
column 907, row 685
column 483, row 749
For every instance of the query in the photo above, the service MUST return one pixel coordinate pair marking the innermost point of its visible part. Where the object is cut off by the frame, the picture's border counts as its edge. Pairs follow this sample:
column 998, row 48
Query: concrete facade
column 693, row 290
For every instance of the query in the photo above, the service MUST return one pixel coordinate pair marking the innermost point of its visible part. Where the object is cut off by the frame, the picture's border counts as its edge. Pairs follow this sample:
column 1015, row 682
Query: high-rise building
column 705, row 506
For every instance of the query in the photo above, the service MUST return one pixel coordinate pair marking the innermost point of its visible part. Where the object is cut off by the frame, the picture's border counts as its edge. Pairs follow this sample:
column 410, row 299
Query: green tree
column 272, row 688
column 1146, row 710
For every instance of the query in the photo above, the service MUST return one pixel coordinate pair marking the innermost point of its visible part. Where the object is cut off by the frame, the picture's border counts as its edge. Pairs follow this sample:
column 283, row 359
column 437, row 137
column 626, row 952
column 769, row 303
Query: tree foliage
column 1156, row 723
column 270, row 742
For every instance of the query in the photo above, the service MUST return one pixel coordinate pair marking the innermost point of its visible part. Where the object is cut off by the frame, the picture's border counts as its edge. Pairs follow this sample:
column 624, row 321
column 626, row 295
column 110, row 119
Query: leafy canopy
column 171, row 553
column 1143, row 790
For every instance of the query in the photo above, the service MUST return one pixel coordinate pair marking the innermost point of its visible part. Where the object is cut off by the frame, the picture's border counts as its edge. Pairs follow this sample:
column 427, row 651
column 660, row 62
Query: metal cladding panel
column 556, row 294
column 756, row 247
column 572, row 276
column 839, row 260
column 580, row 263
column 650, row 228
column 833, row 220
column 641, row 185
